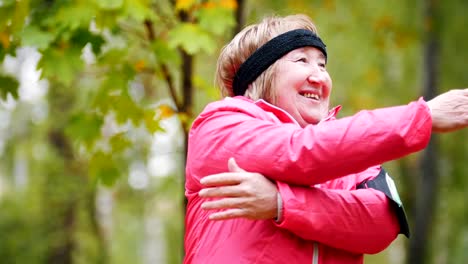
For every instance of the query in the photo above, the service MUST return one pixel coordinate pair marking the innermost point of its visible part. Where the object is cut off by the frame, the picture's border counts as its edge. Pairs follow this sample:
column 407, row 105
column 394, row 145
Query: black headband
column 271, row 51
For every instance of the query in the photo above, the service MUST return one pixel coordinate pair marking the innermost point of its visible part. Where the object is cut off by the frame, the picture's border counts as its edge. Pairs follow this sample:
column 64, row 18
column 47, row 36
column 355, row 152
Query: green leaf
column 10, row 50
column 85, row 128
column 20, row 14
column 191, row 38
column 151, row 123
column 119, row 142
column 216, row 20
column 62, row 65
column 103, row 168
column 82, row 36
column 7, row 3
column 8, row 85
column 72, row 17
column 165, row 54
column 139, row 10
column 115, row 86
column 125, row 108
column 33, row 36
column 110, row 4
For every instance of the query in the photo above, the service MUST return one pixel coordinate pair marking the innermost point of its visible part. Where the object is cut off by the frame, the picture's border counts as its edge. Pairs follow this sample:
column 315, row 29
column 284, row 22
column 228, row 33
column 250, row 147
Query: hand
column 449, row 111
column 243, row 194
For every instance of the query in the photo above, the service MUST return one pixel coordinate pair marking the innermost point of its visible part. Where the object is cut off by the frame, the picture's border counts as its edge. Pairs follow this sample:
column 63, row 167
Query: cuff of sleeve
column 279, row 213
column 424, row 102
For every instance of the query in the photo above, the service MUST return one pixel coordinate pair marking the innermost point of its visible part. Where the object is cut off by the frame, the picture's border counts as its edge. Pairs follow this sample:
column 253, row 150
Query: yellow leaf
column 184, row 4
column 140, row 65
column 209, row 5
column 5, row 40
column 164, row 111
column 384, row 23
column 229, row 4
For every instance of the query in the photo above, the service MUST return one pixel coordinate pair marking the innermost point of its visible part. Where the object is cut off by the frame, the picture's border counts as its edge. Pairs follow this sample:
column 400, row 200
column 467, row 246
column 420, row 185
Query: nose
column 320, row 79
column 316, row 77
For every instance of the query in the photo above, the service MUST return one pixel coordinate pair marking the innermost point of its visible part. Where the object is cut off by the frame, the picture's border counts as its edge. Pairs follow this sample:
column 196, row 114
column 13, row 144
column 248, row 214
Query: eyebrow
column 303, row 50
column 322, row 57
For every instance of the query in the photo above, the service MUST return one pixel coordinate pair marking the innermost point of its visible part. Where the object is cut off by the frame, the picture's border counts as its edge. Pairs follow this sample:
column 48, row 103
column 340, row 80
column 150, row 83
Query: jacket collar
column 285, row 116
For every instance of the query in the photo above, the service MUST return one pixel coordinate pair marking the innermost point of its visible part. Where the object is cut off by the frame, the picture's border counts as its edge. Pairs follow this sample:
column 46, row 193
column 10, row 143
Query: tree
column 107, row 64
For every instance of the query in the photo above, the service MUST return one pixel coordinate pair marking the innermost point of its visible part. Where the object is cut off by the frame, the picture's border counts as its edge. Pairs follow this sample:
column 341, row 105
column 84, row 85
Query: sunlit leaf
column 184, row 4
column 73, row 17
column 8, row 85
column 19, row 16
column 110, row 4
column 33, row 36
column 151, row 121
column 139, row 10
column 7, row 3
column 216, row 20
column 191, row 38
column 61, row 64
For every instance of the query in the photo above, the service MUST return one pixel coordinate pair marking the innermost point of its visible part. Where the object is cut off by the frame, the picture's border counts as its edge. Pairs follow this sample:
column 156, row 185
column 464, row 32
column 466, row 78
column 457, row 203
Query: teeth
column 311, row 95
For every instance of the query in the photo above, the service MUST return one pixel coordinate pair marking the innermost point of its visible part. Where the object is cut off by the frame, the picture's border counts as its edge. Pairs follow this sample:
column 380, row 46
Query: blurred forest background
column 96, row 98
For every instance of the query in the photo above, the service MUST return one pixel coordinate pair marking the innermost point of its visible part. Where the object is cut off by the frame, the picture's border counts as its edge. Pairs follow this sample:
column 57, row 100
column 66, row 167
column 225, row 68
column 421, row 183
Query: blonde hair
column 245, row 43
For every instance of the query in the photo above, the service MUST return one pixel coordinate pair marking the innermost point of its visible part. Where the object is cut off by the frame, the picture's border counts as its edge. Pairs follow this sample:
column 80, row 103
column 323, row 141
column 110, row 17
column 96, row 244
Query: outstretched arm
column 449, row 111
column 303, row 156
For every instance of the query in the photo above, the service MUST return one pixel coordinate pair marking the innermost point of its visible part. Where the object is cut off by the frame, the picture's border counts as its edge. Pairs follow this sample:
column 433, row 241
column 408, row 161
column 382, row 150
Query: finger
column 228, row 214
column 227, row 178
column 223, row 191
column 233, row 167
column 224, row 203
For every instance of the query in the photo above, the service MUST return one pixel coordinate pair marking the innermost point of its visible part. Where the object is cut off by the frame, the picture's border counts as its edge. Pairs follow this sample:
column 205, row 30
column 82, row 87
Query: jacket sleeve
column 327, row 151
column 361, row 221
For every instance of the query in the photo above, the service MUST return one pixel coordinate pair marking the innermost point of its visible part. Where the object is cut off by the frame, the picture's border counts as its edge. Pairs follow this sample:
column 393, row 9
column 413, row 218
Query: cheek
column 330, row 85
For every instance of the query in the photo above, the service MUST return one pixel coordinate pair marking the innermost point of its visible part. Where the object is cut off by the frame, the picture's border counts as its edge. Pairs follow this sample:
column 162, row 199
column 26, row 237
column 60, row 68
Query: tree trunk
column 429, row 176
column 240, row 17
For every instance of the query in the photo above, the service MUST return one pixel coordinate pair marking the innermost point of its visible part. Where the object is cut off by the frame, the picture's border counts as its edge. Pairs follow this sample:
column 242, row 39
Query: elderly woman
column 318, row 193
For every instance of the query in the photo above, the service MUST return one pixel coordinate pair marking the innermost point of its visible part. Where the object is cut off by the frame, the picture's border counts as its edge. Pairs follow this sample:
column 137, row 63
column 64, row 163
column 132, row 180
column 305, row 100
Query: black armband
column 385, row 184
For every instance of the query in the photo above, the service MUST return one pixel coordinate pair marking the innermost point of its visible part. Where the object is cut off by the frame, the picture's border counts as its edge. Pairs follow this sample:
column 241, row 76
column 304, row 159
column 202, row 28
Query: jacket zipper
column 315, row 255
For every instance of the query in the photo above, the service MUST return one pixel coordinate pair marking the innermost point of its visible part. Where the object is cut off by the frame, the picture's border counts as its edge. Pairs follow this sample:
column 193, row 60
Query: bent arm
column 361, row 221
column 329, row 150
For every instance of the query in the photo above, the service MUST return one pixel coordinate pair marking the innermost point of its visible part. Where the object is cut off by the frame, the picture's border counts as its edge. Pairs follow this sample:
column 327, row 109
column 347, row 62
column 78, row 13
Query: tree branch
column 170, row 85
column 165, row 70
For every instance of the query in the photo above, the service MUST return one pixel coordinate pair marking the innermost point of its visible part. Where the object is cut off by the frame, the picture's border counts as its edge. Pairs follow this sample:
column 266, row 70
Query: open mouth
column 311, row 96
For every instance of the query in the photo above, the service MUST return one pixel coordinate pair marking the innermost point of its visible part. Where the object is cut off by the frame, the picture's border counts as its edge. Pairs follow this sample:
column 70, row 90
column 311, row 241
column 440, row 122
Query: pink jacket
column 317, row 168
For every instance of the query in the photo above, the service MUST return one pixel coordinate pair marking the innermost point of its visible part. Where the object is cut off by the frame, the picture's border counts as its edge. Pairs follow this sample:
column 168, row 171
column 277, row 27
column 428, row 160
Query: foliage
column 108, row 64
column 115, row 73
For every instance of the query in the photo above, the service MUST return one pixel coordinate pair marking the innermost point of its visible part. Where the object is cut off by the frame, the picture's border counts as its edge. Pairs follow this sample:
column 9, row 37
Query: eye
column 302, row 59
column 322, row 65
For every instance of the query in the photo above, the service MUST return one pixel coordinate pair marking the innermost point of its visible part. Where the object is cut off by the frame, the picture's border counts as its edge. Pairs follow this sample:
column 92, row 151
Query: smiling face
column 302, row 85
